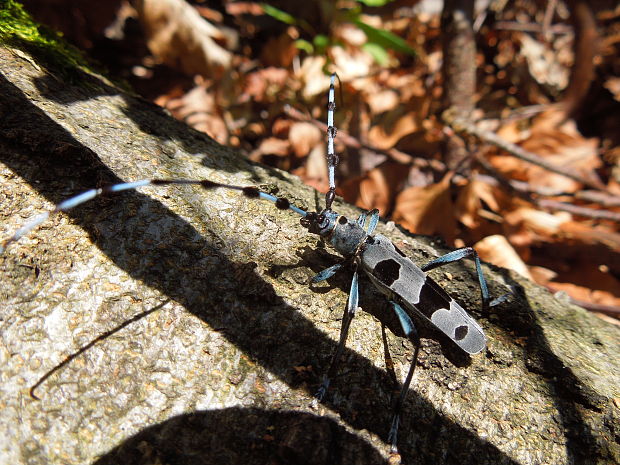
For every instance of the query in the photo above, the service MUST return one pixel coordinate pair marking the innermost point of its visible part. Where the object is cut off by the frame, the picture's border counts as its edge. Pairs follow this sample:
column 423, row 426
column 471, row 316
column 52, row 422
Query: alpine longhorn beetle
column 409, row 290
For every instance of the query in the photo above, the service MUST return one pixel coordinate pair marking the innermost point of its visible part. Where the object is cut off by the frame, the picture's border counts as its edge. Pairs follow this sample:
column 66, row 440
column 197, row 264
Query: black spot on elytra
column 387, row 271
column 251, row 192
column 342, row 220
column 282, row 203
column 460, row 332
column 432, row 298
column 370, row 240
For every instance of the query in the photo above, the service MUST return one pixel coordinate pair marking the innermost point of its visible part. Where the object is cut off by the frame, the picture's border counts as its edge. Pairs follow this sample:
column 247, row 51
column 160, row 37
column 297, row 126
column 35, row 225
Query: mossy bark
column 175, row 325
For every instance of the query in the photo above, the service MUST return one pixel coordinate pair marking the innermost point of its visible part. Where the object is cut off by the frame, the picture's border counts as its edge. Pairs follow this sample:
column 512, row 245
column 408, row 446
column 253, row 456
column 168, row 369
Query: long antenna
column 332, row 158
column 252, row 192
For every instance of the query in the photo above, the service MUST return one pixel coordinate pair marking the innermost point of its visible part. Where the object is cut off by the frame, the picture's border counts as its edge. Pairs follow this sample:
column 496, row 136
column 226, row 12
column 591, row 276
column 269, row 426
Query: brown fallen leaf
column 377, row 188
column 587, row 234
column 314, row 172
column 181, row 38
column 199, row 110
column 585, row 294
column 280, row 51
column 525, row 225
column 303, row 137
column 427, row 210
column 469, row 202
column 561, row 145
column 271, row 146
column 260, row 83
column 497, row 250
column 386, row 138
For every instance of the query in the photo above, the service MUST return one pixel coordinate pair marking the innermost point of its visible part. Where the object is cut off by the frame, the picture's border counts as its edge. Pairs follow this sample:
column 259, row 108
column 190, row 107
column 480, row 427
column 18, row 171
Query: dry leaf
column 542, row 275
column 351, row 63
column 543, row 64
column 497, row 250
column 303, row 137
column 382, row 101
column 536, row 223
column 280, row 51
column 181, row 38
column 314, row 172
column 271, row 146
column 386, row 138
column 613, row 85
column 262, row 83
column 312, row 75
column 376, row 188
column 585, row 294
column 244, row 8
column 559, row 147
column 469, row 202
column 587, row 234
column 199, row 110
column 351, row 34
column 427, row 210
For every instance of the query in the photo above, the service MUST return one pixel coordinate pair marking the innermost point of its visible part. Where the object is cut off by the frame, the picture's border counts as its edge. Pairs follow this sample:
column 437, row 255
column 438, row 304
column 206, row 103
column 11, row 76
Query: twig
column 532, row 27
column 601, row 198
column 461, row 125
column 352, row 142
column 578, row 210
column 607, row 309
column 526, row 112
column 551, row 5
column 526, row 192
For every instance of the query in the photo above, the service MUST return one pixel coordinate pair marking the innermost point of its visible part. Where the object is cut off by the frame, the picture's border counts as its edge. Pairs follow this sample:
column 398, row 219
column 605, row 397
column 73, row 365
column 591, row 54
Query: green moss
column 19, row 30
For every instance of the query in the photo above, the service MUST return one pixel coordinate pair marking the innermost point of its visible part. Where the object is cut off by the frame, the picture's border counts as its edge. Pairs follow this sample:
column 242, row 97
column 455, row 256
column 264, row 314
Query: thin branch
column 594, row 307
column 585, row 46
column 464, row 126
column 531, row 27
column 354, row 143
column 551, row 5
column 526, row 192
column 578, row 210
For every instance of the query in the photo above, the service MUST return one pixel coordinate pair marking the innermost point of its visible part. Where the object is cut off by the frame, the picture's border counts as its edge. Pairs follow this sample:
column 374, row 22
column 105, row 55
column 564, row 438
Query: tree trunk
column 176, row 325
column 459, row 74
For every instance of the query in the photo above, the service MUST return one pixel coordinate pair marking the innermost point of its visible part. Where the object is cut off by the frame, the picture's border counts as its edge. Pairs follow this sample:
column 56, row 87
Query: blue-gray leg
column 349, row 313
column 362, row 219
column 374, row 220
column 410, row 331
column 326, row 273
column 458, row 255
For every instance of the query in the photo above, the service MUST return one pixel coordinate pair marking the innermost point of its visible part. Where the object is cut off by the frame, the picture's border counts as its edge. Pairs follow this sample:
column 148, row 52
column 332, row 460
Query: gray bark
column 175, row 325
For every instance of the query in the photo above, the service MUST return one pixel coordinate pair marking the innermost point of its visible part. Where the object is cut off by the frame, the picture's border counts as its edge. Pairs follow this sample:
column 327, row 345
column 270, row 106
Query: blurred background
column 495, row 125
